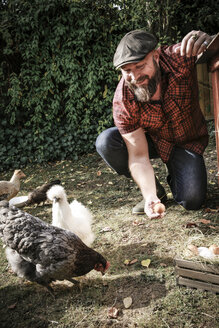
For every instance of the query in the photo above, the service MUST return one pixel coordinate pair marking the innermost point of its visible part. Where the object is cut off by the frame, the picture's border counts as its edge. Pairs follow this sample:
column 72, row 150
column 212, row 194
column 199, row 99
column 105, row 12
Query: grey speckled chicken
column 43, row 253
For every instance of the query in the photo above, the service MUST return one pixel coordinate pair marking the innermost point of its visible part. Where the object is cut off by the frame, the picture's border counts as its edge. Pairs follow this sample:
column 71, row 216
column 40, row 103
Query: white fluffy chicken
column 74, row 217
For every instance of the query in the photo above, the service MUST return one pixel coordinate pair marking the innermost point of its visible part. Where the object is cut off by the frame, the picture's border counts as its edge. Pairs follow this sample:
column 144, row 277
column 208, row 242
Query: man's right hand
column 150, row 202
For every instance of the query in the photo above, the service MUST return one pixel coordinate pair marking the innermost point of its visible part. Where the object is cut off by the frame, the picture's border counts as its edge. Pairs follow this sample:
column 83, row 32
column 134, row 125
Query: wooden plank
column 211, row 95
column 204, row 87
column 198, row 284
column 200, row 87
column 206, row 93
column 203, row 276
column 197, row 266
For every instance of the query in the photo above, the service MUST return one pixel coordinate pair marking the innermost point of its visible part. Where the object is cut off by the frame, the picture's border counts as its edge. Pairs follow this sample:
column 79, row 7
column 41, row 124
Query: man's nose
column 131, row 76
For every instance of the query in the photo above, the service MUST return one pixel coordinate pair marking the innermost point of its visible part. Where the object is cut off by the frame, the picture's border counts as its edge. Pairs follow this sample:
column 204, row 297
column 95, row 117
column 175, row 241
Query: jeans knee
column 112, row 148
column 103, row 142
column 193, row 201
column 110, row 141
column 99, row 143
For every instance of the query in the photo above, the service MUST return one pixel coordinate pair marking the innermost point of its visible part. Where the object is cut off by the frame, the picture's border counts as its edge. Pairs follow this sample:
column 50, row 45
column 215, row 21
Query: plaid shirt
column 177, row 119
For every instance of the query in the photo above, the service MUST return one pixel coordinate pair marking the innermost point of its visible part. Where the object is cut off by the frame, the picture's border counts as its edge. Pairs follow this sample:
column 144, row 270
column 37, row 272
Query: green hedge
column 56, row 75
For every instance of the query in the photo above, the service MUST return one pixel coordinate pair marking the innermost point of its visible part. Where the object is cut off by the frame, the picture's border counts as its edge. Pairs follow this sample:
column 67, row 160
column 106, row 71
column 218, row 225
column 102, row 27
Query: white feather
column 205, row 252
column 74, row 217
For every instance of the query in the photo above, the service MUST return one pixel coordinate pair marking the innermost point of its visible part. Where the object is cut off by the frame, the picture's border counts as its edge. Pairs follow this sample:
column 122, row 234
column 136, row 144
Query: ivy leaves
column 57, row 80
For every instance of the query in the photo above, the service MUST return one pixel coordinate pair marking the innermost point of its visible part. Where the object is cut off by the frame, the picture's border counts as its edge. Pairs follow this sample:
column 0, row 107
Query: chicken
column 43, row 253
column 38, row 195
column 9, row 189
column 74, row 217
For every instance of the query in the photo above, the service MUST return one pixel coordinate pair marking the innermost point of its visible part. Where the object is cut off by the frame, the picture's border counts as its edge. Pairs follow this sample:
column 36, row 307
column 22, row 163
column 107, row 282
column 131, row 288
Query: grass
column 157, row 301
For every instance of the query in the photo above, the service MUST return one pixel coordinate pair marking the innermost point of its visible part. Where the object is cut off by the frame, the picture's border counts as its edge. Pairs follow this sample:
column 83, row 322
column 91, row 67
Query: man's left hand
column 194, row 43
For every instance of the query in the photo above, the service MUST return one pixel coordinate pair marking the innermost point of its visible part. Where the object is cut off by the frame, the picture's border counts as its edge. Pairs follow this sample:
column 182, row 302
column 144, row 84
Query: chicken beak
column 56, row 199
column 106, row 268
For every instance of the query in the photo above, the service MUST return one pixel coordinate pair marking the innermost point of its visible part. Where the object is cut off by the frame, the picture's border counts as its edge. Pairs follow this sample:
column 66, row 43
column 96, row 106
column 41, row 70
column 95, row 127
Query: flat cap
column 133, row 47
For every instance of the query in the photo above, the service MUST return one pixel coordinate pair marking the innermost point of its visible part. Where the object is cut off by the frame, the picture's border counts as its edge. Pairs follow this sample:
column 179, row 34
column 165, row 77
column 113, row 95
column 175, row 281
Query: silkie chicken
column 9, row 189
column 43, row 253
column 38, row 195
column 74, row 217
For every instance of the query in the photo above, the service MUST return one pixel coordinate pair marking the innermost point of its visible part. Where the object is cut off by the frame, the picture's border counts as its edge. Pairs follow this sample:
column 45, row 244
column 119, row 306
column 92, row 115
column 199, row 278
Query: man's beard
column 145, row 92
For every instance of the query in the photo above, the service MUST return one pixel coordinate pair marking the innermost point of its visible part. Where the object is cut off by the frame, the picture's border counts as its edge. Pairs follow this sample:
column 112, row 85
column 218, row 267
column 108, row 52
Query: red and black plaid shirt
column 178, row 119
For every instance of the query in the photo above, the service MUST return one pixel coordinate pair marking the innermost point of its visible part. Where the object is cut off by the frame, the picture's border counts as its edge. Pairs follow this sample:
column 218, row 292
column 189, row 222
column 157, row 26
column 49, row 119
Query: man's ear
column 156, row 56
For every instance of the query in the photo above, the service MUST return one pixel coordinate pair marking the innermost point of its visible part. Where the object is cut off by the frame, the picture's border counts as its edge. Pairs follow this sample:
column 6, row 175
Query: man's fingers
column 185, row 42
column 194, row 43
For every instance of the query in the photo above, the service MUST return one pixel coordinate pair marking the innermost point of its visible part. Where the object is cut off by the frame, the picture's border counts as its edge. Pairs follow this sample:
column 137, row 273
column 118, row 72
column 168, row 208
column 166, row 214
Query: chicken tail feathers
column 20, row 266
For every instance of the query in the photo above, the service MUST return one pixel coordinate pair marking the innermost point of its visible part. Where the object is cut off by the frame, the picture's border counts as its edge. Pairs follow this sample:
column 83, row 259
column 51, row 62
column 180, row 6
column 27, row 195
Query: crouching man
column 157, row 115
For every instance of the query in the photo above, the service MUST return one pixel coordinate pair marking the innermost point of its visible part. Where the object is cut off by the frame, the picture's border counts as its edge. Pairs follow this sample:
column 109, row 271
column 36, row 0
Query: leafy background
column 56, row 74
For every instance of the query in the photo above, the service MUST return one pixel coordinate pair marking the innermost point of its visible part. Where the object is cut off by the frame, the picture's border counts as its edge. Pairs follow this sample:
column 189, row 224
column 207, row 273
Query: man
column 157, row 114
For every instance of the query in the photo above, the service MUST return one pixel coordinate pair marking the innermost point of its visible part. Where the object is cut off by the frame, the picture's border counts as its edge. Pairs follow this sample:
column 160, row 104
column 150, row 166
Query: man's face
column 142, row 77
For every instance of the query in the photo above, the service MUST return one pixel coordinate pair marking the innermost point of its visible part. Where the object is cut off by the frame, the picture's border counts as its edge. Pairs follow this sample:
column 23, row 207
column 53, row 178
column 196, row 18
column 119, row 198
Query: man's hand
column 194, row 43
column 150, row 202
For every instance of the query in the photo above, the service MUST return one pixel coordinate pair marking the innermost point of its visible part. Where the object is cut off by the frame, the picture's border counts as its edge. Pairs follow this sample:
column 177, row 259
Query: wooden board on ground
column 197, row 275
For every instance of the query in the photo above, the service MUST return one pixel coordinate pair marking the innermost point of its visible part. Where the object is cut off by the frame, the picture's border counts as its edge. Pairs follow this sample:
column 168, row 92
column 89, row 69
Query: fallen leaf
column 130, row 262
column 127, row 302
column 133, row 261
column 204, row 221
column 169, row 195
column 146, row 263
column 12, row 306
column 106, row 229
column 113, row 312
column 138, row 223
column 126, row 262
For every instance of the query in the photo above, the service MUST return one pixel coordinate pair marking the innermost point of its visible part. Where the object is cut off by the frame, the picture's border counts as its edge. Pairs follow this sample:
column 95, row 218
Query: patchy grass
column 157, row 300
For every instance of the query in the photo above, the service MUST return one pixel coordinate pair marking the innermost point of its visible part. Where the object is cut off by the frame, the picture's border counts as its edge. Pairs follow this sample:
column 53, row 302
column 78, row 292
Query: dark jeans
column 187, row 173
